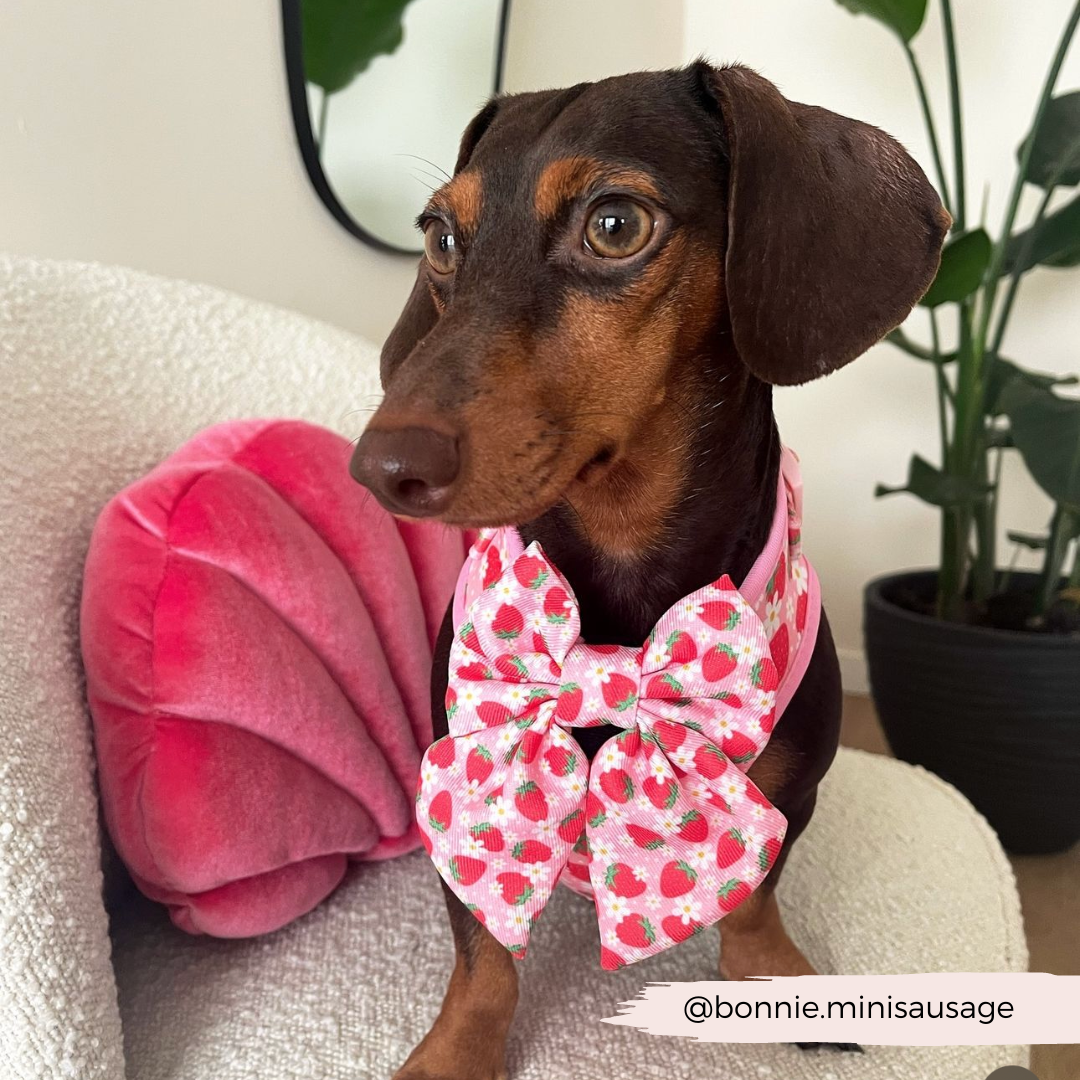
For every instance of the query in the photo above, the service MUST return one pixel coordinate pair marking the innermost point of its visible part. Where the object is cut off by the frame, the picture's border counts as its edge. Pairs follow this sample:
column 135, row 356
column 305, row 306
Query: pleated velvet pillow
column 257, row 638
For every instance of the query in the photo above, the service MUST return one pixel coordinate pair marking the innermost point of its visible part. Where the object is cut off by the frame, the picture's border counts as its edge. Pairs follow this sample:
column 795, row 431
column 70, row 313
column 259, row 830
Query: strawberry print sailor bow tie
column 662, row 828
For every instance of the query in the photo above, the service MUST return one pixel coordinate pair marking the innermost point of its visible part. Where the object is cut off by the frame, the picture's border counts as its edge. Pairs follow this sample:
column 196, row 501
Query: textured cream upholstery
column 102, row 373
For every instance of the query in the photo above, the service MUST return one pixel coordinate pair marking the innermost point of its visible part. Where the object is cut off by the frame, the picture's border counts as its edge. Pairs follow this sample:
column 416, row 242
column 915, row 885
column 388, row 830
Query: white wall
column 158, row 135
column 860, row 425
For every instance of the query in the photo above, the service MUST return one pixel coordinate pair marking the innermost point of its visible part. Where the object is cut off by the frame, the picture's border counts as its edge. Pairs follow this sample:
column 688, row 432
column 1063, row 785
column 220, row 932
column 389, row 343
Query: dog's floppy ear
column 420, row 315
column 834, row 232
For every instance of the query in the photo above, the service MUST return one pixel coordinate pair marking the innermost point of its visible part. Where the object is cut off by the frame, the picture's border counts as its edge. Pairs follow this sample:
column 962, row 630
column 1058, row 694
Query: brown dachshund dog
column 614, row 279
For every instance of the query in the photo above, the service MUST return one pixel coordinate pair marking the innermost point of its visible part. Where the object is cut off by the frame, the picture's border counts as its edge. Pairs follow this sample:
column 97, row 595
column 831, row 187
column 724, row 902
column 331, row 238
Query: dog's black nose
column 410, row 470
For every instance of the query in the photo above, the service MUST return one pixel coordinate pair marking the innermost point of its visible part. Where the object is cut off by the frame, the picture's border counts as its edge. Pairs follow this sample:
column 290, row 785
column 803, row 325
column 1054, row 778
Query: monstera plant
column 975, row 668
column 340, row 39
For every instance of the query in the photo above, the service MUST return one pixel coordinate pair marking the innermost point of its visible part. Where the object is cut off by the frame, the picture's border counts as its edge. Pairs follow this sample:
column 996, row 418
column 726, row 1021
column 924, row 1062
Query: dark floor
column 1049, row 892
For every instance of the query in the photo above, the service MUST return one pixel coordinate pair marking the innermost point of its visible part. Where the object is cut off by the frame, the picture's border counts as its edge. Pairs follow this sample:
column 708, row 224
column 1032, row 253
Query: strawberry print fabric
column 663, row 829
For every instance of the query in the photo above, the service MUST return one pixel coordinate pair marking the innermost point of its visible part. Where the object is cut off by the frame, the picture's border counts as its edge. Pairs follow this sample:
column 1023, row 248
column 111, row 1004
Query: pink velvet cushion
column 257, row 638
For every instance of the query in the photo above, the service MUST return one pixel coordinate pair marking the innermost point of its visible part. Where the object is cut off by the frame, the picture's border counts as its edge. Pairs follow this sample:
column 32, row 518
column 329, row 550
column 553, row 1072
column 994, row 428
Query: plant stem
column 997, row 258
column 942, row 391
column 320, row 134
column 1061, row 526
column 1018, row 273
column 954, row 103
column 931, row 127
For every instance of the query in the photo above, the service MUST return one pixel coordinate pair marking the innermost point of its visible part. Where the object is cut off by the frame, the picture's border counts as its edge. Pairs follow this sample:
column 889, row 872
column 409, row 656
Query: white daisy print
column 688, row 911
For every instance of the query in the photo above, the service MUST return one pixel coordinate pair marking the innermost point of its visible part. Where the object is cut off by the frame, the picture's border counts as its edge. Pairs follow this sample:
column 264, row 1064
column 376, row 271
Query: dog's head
column 595, row 243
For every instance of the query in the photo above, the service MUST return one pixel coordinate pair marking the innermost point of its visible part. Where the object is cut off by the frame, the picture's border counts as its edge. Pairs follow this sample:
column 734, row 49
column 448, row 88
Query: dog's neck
column 719, row 510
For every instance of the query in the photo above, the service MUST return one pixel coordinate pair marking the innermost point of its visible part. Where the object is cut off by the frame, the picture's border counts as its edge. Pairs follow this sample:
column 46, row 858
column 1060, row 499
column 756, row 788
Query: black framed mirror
column 380, row 91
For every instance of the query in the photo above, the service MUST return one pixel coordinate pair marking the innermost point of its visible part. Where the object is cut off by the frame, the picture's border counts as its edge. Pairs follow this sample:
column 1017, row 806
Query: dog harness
column 662, row 829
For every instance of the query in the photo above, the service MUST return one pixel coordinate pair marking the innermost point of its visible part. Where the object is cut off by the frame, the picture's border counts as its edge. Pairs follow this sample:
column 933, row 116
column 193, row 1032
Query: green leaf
column 1046, row 429
column 1029, row 540
column 936, row 487
column 903, row 16
column 963, row 263
column 1056, row 243
column 341, row 37
column 1002, row 372
column 1055, row 157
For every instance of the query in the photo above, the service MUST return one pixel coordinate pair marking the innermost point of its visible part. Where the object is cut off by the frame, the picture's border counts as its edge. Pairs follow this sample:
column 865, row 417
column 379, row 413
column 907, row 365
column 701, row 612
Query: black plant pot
column 994, row 712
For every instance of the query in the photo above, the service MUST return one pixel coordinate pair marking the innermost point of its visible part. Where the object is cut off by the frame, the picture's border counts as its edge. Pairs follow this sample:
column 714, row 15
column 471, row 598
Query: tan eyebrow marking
column 567, row 178
column 463, row 198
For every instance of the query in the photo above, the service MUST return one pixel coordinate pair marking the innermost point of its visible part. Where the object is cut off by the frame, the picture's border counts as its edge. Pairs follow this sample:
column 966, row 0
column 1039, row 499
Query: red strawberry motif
column 511, row 668
column 677, row 878
column 578, row 870
column 469, row 638
column 450, row 701
column 739, row 748
column 670, row 734
column 531, row 851
column 530, row 571
column 693, row 828
column 732, row 701
column 764, row 675
column 681, row 647
column 466, row 870
column 636, row 931
column 769, row 853
column 561, row 760
column 508, row 622
column 708, row 761
column 441, row 753
column 800, row 611
column 493, row 713
column 529, row 747
column 488, row 835
column 718, row 663
column 531, row 802
column 516, row 888
column 620, row 692
column 664, row 687
column 679, row 931
column 617, row 785
column 572, row 827
column 778, row 584
column 644, row 838
column 478, row 764
column 730, row 849
column 426, row 841
column 595, row 811
column 557, row 605
column 610, row 961
column 754, row 794
column 661, row 793
column 720, row 614
column 768, row 721
column 569, row 702
column 620, row 879
column 779, row 648
column 492, row 567
column 477, row 913
column 440, row 812
column 732, row 894
column 474, row 672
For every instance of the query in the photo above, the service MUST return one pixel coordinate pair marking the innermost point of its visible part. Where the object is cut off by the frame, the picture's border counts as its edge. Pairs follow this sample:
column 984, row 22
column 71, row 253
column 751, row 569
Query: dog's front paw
column 447, row 1054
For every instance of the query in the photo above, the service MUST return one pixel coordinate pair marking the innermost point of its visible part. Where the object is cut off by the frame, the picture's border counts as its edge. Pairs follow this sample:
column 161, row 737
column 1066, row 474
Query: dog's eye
column 440, row 247
column 617, row 228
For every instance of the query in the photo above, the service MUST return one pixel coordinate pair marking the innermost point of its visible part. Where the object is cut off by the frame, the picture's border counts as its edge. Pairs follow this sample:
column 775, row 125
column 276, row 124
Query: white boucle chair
column 102, row 373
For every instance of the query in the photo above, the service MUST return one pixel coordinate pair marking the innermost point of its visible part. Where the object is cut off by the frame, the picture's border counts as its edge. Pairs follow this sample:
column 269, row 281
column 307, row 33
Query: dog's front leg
column 468, row 1039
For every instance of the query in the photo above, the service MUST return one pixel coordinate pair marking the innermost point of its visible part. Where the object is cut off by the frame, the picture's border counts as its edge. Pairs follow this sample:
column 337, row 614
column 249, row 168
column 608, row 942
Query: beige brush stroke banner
column 992, row 1009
